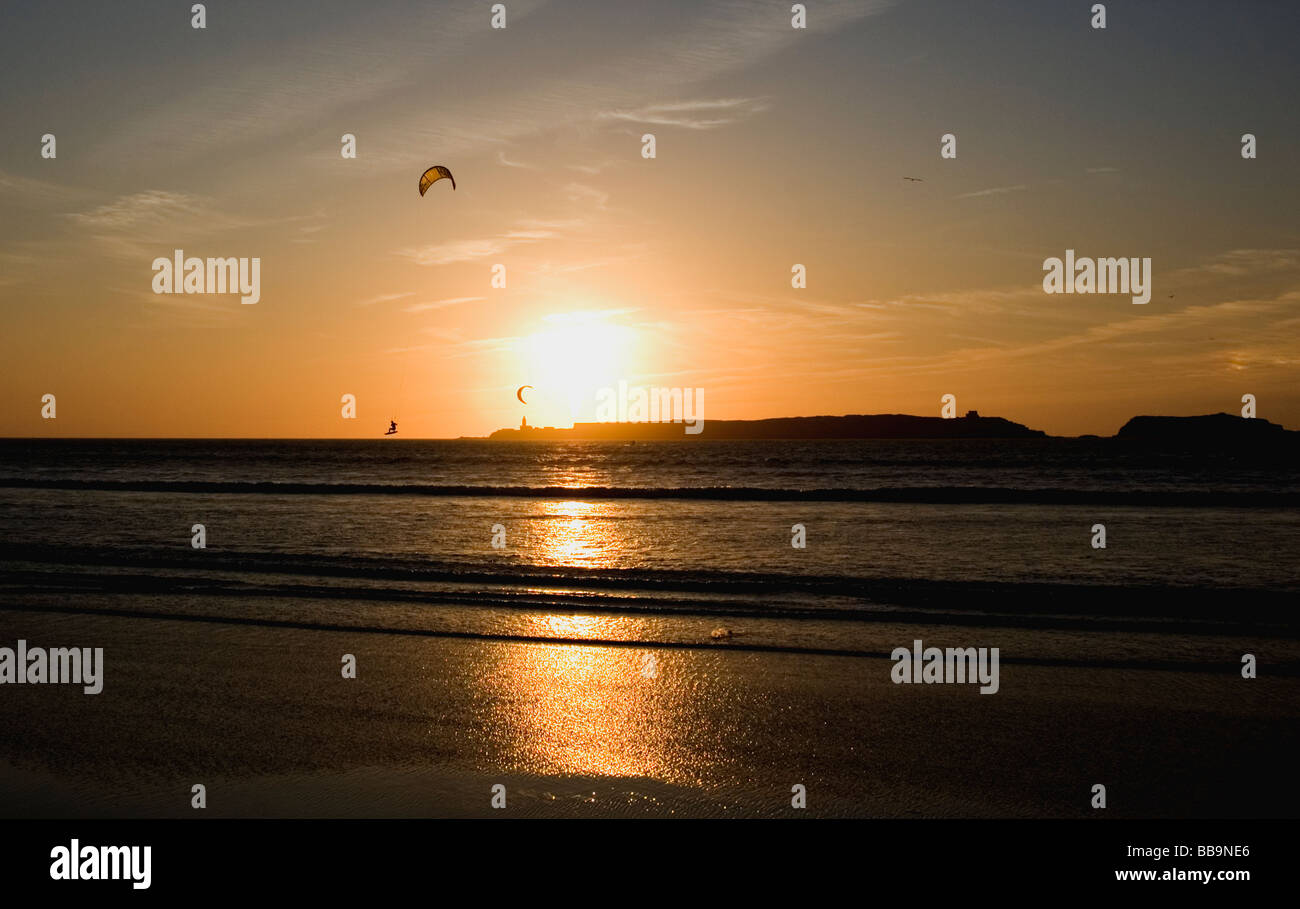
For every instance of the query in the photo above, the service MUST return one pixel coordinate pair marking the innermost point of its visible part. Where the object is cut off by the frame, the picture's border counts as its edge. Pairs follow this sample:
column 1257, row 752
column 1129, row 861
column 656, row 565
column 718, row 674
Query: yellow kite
column 433, row 175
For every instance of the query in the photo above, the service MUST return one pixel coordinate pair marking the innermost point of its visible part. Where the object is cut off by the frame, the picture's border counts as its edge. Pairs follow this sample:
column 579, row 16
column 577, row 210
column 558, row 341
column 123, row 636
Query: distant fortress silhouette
column 1213, row 430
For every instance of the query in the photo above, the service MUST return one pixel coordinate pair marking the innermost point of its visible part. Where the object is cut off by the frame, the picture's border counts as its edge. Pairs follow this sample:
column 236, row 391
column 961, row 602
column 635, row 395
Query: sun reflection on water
column 598, row 710
column 589, row 710
column 576, row 533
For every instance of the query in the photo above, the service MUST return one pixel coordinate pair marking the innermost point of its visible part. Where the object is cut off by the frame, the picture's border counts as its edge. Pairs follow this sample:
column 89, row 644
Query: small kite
column 433, row 175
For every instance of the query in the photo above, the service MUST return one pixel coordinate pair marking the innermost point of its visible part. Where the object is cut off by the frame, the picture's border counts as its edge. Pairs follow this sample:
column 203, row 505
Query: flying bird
column 914, row 179
column 520, row 393
column 433, row 175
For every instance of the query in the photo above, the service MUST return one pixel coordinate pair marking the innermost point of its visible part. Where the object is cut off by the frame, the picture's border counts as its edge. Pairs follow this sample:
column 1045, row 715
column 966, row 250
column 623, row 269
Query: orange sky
column 775, row 146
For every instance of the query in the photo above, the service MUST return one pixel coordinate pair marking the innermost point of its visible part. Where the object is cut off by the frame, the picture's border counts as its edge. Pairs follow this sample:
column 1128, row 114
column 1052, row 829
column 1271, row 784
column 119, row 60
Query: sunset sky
column 775, row 146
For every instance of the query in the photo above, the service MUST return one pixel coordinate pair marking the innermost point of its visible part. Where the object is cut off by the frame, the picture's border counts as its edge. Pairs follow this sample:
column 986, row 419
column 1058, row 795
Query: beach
column 263, row 718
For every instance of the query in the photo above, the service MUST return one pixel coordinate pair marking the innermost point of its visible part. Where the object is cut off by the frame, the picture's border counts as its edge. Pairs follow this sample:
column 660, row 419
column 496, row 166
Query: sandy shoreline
column 263, row 718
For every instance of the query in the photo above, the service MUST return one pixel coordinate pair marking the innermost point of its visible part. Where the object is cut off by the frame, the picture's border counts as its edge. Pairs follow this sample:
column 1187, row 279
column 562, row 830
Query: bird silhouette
column 914, row 179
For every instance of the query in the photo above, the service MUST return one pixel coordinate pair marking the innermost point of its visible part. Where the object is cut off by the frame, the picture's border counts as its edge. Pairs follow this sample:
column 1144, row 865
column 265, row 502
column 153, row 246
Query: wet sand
column 262, row 717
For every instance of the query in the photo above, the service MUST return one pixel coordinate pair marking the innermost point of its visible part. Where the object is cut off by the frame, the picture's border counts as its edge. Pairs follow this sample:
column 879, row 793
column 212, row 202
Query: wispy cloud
column 154, row 206
column 980, row 299
column 580, row 192
column 699, row 114
column 138, row 223
column 591, row 169
column 40, row 191
column 440, row 304
column 375, row 80
column 456, row 251
column 547, row 225
column 506, row 162
column 385, row 298
column 528, row 230
column 993, row 191
column 308, row 233
column 635, row 252
column 1240, row 262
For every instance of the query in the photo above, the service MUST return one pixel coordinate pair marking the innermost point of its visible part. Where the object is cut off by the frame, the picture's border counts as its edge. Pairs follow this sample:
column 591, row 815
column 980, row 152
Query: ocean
column 609, row 552
column 979, row 532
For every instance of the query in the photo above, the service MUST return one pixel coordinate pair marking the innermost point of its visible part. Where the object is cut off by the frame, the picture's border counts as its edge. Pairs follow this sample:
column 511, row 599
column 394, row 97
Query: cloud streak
column 385, row 298
column 441, row 304
column 698, row 114
column 994, row 191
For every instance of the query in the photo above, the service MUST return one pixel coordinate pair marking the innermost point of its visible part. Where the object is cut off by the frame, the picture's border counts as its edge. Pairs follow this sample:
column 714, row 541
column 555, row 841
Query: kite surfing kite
column 433, row 175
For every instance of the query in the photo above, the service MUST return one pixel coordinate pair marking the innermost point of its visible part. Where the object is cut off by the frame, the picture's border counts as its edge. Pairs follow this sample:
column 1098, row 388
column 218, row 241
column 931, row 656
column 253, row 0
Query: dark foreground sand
column 262, row 717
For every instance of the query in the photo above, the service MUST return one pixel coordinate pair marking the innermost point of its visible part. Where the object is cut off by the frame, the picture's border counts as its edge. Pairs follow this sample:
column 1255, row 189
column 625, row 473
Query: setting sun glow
column 568, row 361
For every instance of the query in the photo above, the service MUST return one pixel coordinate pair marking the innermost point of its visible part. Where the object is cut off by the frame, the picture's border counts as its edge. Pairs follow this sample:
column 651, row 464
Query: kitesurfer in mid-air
column 427, row 179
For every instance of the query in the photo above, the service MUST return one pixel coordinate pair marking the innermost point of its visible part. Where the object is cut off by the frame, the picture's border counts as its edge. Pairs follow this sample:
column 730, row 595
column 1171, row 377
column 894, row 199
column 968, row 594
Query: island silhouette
column 1207, row 431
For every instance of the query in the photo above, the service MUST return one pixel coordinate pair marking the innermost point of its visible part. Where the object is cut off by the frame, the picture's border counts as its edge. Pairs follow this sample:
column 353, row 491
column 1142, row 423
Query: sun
column 571, row 359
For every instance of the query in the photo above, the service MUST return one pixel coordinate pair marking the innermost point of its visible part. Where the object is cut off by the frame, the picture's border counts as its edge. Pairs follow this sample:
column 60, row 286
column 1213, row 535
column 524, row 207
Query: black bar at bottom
column 571, row 860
